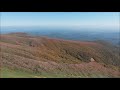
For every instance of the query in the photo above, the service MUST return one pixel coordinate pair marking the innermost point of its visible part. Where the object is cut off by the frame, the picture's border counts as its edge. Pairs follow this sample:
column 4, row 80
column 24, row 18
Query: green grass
column 8, row 73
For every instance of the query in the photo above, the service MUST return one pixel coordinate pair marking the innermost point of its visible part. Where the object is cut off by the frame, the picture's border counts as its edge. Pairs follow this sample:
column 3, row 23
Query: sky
column 61, row 19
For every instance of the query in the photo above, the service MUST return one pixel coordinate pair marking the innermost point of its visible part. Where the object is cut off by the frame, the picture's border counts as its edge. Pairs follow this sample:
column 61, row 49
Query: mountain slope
column 57, row 57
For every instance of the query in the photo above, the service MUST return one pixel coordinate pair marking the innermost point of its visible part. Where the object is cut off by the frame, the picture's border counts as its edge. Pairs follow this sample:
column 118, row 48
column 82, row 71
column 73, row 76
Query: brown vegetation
column 42, row 54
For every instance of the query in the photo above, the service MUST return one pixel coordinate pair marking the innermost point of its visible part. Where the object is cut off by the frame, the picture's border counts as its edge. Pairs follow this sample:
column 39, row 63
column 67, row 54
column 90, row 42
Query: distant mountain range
column 40, row 57
column 83, row 34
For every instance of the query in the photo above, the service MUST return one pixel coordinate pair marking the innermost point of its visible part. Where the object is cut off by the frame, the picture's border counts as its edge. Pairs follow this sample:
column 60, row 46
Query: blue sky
column 62, row 19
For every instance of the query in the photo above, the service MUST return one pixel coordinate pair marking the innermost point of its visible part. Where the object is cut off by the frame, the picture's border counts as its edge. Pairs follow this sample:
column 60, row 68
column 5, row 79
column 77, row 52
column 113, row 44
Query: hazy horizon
column 66, row 25
column 43, row 28
column 74, row 20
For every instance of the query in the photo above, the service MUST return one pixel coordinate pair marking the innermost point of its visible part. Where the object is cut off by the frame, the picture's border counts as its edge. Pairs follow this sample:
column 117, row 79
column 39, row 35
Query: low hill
column 50, row 57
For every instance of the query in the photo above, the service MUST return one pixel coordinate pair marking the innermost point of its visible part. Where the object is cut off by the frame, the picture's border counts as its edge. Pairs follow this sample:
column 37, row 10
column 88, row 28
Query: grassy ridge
column 38, row 57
